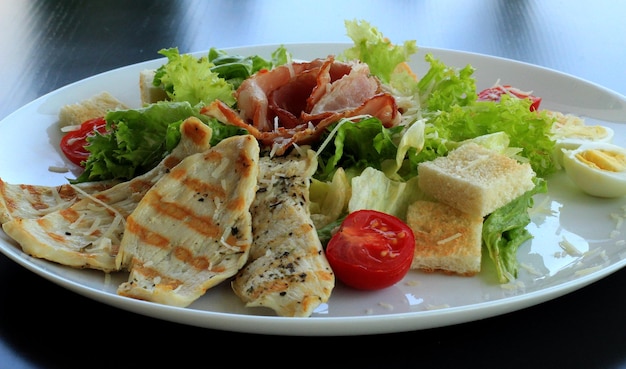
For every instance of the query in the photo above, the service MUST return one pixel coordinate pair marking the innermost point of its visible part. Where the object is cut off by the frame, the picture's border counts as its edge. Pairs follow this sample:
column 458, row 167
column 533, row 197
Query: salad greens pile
column 214, row 76
column 361, row 163
column 446, row 114
column 138, row 139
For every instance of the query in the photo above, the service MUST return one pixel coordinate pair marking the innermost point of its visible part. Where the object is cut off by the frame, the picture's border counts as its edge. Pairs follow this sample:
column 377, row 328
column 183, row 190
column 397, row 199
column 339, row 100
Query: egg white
column 572, row 143
column 594, row 181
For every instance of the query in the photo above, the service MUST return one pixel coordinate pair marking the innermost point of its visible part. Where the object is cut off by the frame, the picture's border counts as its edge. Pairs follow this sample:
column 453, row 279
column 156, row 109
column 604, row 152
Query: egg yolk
column 603, row 159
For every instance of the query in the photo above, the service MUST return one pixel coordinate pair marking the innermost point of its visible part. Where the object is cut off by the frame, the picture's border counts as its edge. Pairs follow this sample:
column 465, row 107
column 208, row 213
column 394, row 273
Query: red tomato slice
column 74, row 142
column 371, row 250
column 494, row 93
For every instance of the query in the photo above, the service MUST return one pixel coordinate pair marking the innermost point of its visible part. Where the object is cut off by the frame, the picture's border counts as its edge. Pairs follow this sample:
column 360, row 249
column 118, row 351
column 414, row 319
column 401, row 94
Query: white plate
column 420, row 301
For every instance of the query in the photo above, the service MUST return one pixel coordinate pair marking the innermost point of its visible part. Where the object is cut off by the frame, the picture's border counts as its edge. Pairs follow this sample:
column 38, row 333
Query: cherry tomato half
column 74, row 142
column 494, row 93
column 371, row 250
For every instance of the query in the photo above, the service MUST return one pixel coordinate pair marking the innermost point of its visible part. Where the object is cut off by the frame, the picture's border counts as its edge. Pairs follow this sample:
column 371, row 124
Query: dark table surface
column 45, row 45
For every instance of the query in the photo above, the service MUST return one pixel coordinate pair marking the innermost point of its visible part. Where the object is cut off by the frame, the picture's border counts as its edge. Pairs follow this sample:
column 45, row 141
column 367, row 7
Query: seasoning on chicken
column 288, row 271
column 192, row 229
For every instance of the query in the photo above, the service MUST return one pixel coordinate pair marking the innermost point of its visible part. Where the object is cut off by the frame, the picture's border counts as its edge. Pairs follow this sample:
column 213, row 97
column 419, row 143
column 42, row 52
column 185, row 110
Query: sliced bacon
column 348, row 92
column 296, row 102
column 252, row 94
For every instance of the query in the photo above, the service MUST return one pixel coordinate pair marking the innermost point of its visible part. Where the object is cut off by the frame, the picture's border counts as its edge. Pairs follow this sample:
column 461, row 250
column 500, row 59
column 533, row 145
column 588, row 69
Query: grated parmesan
column 448, row 239
column 70, row 128
column 530, row 269
column 437, row 307
column 58, row 169
column 219, row 171
column 569, row 248
column 587, row 271
column 226, row 244
column 386, row 305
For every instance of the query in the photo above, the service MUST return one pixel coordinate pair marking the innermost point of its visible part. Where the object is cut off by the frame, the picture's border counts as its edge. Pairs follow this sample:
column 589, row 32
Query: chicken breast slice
column 193, row 229
column 34, row 201
column 288, row 271
column 86, row 233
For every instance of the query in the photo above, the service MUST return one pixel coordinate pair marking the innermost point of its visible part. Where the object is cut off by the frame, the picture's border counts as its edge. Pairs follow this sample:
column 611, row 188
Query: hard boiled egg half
column 570, row 131
column 598, row 168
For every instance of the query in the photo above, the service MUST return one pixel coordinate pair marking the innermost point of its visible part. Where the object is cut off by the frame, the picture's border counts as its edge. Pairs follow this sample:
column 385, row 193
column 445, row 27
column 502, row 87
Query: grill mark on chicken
column 193, row 228
column 149, row 237
column 87, row 233
column 33, row 201
column 288, row 271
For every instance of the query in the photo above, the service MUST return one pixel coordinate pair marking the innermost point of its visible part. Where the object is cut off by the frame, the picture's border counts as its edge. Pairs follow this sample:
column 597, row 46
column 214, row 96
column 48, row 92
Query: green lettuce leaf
column 214, row 76
column 139, row 139
column 443, row 86
column 529, row 131
column 187, row 78
column 236, row 68
column 373, row 190
column 504, row 231
column 382, row 57
column 371, row 47
column 356, row 146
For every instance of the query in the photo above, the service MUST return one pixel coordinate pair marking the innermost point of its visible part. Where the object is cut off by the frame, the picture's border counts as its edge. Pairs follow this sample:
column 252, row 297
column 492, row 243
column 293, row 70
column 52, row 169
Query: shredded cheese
column 96, row 200
column 70, row 128
column 530, row 269
column 437, row 307
column 587, row 271
column 107, row 279
column 226, row 244
column 569, row 247
column 386, row 305
column 108, row 236
column 448, row 239
column 219, row 171
column 58, row 169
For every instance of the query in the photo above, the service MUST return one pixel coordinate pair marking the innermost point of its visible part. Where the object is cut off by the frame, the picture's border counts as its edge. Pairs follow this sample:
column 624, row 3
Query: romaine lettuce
column 372, row 189
column 504, row 231
column 355, row 146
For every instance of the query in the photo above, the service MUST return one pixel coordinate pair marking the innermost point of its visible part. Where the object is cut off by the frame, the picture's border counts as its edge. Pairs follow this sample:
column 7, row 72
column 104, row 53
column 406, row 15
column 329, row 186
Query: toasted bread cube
column 446, row 239
column 94, row 107
column 474, row 179
column 148, row 92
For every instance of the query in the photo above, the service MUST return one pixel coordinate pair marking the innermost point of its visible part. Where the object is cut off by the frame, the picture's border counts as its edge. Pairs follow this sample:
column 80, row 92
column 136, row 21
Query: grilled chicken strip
column 193, row 229
column 288, row 271
column 88, row 232
column 34, row 201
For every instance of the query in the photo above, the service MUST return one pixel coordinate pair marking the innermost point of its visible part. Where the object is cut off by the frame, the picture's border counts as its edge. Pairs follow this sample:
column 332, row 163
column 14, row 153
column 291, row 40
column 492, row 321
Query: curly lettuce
column 187, row 78
column 213, row 76
column 372, row 48
column 443, row 87
column 527, row 130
